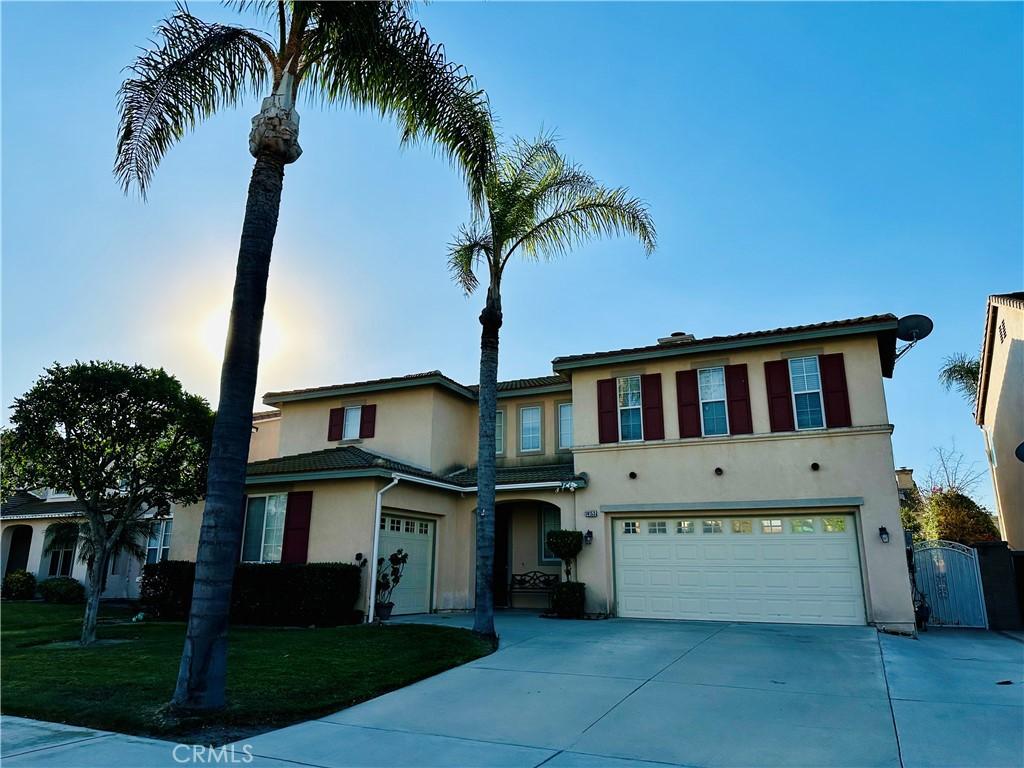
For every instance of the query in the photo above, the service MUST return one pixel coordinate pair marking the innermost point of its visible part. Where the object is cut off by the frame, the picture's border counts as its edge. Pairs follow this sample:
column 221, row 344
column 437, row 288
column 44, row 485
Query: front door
column 21, row 542
column 501, row 574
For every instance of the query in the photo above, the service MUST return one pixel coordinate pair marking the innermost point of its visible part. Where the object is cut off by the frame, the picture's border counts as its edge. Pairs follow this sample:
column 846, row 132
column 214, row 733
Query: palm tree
column 123, row 538
column 370, row 55
column 961, row 372
column 539, row 206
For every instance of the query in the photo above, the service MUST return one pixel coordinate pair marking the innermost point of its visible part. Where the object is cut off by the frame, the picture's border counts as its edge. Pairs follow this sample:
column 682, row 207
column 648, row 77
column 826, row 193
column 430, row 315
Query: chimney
column 676, row 337
column 904, row 478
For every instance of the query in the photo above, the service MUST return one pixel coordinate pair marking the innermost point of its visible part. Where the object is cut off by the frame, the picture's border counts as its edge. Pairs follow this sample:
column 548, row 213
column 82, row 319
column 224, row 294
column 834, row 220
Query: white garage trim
column 758, row 566
column 737, row 506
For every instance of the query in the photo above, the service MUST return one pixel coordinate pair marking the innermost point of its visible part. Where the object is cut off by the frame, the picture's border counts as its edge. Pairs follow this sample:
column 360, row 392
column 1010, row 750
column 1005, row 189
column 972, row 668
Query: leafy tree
column 538, row 206
column 369, row 55
column 911, row 510
column 125, row 440
column 954, row 516
column 961, row 372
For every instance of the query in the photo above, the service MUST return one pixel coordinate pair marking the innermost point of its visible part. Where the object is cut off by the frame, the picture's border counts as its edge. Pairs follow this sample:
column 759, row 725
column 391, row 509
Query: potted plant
column 389, row 574
column 567, row 599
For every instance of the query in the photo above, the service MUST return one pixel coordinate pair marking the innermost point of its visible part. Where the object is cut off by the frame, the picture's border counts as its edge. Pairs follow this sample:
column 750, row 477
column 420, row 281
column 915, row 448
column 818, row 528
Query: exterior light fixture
column 883, row 534
column 588, row 537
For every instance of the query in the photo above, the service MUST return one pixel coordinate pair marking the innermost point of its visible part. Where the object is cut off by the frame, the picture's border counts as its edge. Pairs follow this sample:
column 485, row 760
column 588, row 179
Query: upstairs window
column 499, row 432
column 159, row 545
column 564, row 426
column 805, row 380
column 711, row 385
column 630, row 411
column 264, row 528
column 529, row 429
column 353, row 417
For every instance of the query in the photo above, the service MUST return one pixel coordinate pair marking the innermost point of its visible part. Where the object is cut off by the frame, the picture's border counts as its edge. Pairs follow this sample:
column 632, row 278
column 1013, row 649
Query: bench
column 532, row 583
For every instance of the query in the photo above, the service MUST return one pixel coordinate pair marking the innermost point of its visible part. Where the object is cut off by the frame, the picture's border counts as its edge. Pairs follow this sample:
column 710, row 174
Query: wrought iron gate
column 948, row 575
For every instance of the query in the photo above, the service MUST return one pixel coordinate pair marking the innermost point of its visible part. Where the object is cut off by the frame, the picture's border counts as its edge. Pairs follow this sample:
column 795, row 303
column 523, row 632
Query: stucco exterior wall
column 549, row 453
column 265, row 440
column 756, row 469
column 453, row 437
column 1003, row 422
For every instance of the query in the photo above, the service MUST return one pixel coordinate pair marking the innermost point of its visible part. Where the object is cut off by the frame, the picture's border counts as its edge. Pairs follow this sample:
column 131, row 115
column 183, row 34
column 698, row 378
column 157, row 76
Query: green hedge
column 62, row 589
column 19, row 585
column 320, row 594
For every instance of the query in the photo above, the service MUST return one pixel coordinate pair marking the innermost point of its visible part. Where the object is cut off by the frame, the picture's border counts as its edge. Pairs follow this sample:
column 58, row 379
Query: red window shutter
column 688, row 403
column 295, row 546
column 780, row 397
column 335, row 424
column 737, row 399
column 650, row 396
column 607, row 412
column 834, row 391
column 367, row 421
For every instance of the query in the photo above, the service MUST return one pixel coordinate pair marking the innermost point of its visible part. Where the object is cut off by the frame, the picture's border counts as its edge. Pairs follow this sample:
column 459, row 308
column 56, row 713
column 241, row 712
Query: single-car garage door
column 786, row 568
column 415, row 536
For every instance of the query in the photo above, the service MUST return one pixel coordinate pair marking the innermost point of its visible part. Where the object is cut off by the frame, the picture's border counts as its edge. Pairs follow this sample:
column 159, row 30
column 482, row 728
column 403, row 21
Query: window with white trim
column 410, row 526
column 61, row 560
column 630, row 526
column 742, row 526
column 801, row 525
column 833, row 524
column 159, row 545
column 711, row 386
column 659, row 526
column 805, row 380
column 550, row 520
column 424, row 529
column 771, row 526
column 684, row 526
column 394, row 525
column 564, row 426
column 353, row 417
column 631, row 425
column 499, row 432
column 712, row 526
column 264, row 528
column 529, row 429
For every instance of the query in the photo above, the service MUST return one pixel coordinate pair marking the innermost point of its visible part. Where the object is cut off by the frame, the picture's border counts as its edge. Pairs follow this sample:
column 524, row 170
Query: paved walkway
column 619, row 693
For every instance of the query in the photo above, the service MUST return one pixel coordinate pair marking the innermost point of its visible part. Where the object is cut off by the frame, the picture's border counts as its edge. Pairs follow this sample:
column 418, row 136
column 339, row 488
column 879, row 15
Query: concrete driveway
column 620, row 693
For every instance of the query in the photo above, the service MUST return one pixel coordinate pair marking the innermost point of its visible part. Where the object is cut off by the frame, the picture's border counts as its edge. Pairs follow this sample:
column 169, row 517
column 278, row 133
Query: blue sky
column 804, row 162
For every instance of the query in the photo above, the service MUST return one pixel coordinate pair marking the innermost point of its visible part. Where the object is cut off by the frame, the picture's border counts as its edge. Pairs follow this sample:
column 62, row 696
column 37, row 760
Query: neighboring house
column 24, row 521
column 1000, row 409
column 741, row 477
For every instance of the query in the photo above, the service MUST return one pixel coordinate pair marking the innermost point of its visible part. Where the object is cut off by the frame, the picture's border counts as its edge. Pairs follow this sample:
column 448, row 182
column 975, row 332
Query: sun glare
column 213, row 329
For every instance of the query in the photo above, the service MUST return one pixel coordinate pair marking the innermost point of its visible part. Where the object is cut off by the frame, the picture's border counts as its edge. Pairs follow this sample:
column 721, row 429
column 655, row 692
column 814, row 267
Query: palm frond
column 600, row 212
column 961, row 372
column 472, row 247
column 375, row 56
column 194, row 69
column 62, row 536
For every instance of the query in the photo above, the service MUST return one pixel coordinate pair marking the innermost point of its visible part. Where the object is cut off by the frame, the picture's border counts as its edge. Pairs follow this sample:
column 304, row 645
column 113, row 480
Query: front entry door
column 501, row 575
column 21, row 542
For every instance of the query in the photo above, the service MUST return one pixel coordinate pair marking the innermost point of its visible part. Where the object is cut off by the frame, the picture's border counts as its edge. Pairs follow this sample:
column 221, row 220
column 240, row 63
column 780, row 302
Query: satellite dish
column 913, row 327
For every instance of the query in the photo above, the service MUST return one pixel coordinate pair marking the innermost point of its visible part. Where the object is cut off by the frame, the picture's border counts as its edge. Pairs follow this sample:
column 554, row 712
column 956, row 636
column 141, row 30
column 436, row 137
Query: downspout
column 372, row 592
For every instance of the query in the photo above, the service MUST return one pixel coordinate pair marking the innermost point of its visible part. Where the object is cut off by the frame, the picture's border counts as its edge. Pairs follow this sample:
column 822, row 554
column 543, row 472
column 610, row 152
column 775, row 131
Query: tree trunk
column 490, row 319
column 203, row 670
column 94, row 588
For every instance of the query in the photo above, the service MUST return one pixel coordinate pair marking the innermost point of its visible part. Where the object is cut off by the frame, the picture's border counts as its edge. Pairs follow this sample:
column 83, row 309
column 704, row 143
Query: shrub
column 952, row 516
column 19, row 585
column 565, row 545
column 321, row 594
column 567, row 599
column 62, row 589
column 166, row 588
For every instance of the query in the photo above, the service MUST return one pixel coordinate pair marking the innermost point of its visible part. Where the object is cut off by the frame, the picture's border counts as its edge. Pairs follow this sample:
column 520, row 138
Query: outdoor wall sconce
column 588, row 538
column 719, row 471
column 883, row 534
column 815, row 466
column 632, row 475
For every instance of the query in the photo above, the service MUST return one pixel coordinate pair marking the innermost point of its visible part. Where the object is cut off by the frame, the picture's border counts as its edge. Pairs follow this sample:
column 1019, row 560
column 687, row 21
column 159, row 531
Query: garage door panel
column 416, row 537
column 741, row 573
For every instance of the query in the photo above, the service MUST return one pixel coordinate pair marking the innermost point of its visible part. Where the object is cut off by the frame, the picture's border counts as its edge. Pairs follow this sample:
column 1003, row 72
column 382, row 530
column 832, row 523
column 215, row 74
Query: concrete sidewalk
column 619, row 693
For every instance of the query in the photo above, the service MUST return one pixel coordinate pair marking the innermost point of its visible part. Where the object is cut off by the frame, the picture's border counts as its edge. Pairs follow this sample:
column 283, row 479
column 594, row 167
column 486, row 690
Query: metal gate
column 948, row 575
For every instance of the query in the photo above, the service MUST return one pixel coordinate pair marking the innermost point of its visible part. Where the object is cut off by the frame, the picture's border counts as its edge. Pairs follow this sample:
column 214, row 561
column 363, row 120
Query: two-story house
column 746, row 477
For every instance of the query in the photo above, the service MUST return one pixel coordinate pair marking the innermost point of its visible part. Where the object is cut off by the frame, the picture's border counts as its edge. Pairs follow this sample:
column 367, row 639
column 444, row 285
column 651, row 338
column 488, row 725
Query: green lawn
column 275, row 676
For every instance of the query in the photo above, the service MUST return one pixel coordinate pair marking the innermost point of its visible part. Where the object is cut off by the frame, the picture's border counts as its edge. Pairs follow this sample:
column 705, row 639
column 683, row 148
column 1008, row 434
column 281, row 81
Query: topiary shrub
column 19, row 585
column 567, row 599
column 565, row 545
column 62, row 589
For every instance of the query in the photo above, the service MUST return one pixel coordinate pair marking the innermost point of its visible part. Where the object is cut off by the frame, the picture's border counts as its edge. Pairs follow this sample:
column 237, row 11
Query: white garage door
column 415, row 536
column 798, row 569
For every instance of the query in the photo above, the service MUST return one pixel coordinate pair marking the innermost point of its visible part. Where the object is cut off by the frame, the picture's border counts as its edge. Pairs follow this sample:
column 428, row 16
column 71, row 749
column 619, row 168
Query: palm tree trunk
column 490, row 319
column 96, row 572
column 203, row 670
